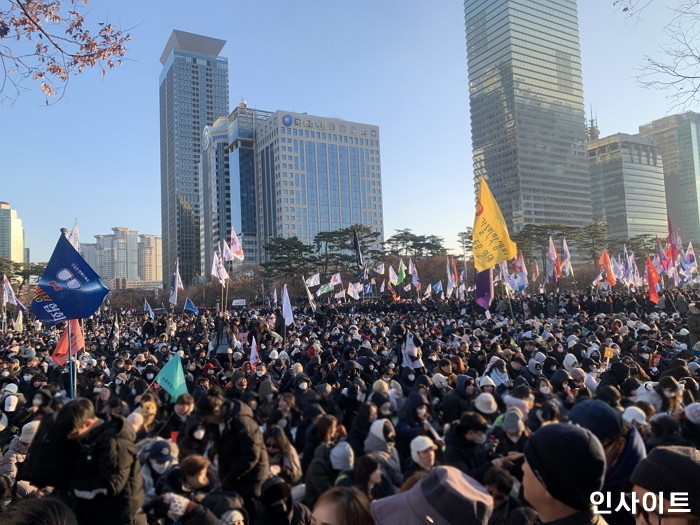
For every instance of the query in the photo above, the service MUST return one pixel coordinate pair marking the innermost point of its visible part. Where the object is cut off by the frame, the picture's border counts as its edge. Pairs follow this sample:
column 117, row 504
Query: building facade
column 193, row 94
column 316, row 174
column 527, row 110
column 125, row 256
column 11, row 234
column 678, row 140
column 627, row 186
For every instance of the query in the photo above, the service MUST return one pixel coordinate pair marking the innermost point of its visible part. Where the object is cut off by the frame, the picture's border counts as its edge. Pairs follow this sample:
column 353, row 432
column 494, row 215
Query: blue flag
column 68, row 288
column 172, row 378
column 437, row 287
column 189, row 305
column 165, row 310
column 148, row 310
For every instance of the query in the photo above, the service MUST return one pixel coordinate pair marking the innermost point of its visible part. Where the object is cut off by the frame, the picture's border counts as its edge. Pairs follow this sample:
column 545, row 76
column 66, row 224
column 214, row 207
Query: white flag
column 218, row 270
column 287, row 312
column 379, row 269
column 381, row 288
column 19, row 322
column 8, row 295
column 74, row 236
column 314, row 280
column 226, row 251
column 336, row 279
column 254, row 356
column 236, row 246
column 352, row 291
column 393, row 278
column 175, row 283
column 428, row 291
column 274, row 297
column 340, row 294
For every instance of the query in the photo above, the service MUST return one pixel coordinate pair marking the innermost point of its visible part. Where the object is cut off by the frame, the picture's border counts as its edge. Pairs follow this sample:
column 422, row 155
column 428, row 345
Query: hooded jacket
column 408, row 426
column 384, row 452
column 108, row 467
column 456, row 401
column 243, row 464
column 320, row 476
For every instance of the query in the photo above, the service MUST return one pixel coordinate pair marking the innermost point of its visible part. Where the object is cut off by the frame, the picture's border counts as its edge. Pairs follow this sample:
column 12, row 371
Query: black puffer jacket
column 108, row 462
column 243, row 463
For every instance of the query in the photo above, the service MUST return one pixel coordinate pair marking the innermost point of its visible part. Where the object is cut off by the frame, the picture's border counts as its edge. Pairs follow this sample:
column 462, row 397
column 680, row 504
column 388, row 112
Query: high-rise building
column 678, row 140
column 193, row 94
column 11, row 234
column 316, row 174
column 125, row 255
column 527, row 113
column 150, row 256
column 627, row 186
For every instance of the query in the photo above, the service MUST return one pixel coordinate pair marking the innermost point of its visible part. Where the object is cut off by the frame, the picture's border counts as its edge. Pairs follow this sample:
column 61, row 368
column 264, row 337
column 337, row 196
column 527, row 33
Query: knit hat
column 485, row 403
column 512, row 422
column 445, row 495
column 670, row 469
column 342, row 456
column 598, row 417
column 11, row 387
column 556, row 451
column 420, row 444
column 633, row 414
column 692, row 413
column 28, row 432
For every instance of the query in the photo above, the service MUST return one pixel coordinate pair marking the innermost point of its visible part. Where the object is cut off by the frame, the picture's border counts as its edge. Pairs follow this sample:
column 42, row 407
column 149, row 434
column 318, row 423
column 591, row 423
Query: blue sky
column 399, row 64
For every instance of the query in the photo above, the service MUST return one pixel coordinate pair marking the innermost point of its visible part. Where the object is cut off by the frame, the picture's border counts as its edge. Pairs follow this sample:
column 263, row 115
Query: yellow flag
column 491, row 242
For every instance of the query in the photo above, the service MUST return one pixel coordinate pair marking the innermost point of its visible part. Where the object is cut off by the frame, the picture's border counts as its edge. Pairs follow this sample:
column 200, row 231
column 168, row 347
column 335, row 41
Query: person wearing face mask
column 380, row 445
column 303, row 392
column 414, row 421
column 465, row 445
column 181, row 415
column 156, row 458
column 511, row 437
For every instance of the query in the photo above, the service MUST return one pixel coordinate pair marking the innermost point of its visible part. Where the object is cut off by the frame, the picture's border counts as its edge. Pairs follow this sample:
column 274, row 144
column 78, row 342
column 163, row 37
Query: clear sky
column 399, row 64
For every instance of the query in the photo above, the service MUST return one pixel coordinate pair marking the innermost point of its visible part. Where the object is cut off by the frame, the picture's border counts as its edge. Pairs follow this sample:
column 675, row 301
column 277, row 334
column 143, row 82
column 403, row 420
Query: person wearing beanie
column 623, row 445
column 690, row 426
column 664, row 471
column 564, row 464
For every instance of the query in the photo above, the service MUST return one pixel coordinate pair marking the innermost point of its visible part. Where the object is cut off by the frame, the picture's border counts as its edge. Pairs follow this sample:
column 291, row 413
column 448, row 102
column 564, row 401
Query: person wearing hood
column 532, row 372
column 414, row 421
column 564, row 395
column 623, row 447
column 328, row 461
column 549, row 367
column 422, row 458
column 243, row 463
column 460, row 399
column 465, row 445
column 277, row 506
column 615, row 375
column 106, row 480
column 496, row 370
column 407, row 380
column 380, row 444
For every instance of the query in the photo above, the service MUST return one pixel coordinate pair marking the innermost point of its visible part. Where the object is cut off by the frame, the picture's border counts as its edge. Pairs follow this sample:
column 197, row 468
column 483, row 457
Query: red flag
column 77, row 343
column 652, row 281
column 606, row 264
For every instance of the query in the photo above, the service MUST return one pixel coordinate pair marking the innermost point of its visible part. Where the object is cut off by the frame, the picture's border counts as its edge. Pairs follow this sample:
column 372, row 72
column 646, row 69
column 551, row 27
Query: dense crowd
column 561, row 408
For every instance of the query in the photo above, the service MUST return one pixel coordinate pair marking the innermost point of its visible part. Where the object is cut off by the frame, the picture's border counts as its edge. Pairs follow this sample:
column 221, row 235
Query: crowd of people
column 559, row 408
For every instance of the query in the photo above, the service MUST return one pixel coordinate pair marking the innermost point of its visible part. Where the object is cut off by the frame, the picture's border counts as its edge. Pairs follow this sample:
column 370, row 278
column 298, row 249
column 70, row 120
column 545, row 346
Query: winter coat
column 468, row 456
column 243, row 464
column 14, row 455
column 385, row 453
column 108, row 463
column 693, row 326
column 408, row 427
column 456, row 401
column 320, row 476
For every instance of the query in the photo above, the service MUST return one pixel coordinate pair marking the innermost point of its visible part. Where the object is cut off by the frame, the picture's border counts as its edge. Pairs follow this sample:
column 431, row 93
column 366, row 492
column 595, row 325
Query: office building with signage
column 527, row 110
column 678, row 140
column 316, row 174
column 193, row 94
column 627, row 186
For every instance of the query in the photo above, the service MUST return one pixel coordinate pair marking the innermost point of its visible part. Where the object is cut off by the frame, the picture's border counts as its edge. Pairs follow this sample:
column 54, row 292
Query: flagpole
column 71, row 365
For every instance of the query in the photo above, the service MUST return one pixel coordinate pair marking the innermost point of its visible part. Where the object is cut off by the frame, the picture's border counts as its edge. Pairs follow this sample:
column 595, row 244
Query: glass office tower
column 527, row 113
column 316, row 174
column 193, row 94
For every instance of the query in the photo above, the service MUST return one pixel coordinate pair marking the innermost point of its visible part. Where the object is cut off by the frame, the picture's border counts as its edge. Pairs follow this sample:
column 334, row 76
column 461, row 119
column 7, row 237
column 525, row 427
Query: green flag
column 401, row 274
column 172, row 378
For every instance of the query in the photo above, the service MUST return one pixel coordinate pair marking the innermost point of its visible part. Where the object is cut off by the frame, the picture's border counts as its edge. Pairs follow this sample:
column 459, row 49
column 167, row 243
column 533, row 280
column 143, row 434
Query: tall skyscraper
column 527, row 113
column 11, row 234
column 193, row 94
column 627, row 186
column 316, row 174
column 678, row 139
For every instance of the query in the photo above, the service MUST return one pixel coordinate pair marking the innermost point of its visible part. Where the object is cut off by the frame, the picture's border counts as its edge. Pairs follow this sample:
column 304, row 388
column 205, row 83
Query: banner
column 491, row 242
column 172, row 378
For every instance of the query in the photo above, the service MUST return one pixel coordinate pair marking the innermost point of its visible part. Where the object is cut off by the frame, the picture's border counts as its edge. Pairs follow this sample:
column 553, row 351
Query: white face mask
column 198, row 434
column 259, row 373
column 5, row 373
column 159, row 468
column 411, row 377
column 118, row 381
column 149, row 376
column 387, row 379
column 669, row 394
column 370, row 367
column 421, row 412
column 27, row 378
column 644, row 356
column 481, row 439
column 514, row 439
column 303, row 386
column 545, row 390
column 36, row 402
